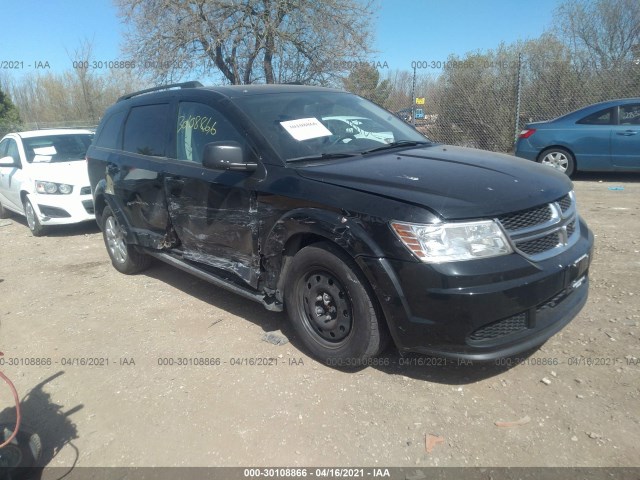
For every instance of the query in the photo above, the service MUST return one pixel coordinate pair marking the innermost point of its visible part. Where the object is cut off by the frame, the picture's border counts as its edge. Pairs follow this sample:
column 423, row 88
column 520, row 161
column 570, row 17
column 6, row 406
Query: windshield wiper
column 322, row 156
column 399, row 143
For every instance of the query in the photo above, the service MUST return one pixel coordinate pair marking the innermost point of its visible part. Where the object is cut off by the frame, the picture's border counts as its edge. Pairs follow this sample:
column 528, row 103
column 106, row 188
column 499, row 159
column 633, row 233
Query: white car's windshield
column 324, row 124
column 57, row 148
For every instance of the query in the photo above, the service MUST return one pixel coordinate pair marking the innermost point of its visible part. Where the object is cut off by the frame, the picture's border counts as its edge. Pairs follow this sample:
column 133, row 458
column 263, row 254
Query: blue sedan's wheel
column 558, row 158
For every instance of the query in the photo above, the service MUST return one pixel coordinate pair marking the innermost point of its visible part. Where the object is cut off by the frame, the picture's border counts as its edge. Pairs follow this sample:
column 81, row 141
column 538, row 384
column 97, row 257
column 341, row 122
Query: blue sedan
column 601, row 137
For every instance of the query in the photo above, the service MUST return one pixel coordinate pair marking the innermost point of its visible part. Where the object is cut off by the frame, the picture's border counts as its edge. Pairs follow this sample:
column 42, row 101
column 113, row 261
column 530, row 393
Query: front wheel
column 125, row 258
column 37, row 229
column 560, row 159
column 331, row 308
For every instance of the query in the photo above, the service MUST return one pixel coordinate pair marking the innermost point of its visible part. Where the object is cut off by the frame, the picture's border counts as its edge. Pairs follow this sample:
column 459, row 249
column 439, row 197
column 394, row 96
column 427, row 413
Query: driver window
column 199, row 125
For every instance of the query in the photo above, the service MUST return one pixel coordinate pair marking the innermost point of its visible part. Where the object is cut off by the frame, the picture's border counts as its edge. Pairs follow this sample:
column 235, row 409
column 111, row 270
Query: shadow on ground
column 84, row 228
column 421, row 367
column 608, row 177
column 46, row 419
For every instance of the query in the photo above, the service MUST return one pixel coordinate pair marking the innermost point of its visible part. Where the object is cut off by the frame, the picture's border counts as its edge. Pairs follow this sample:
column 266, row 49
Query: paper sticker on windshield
column 306, row 128
column 44, row 154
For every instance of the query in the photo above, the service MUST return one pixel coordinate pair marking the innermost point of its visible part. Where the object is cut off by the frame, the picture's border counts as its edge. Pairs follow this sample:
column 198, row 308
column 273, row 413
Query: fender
column 342, row 228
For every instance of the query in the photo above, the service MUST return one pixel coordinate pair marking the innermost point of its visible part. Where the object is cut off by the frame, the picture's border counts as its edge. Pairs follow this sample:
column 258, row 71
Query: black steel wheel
column 331, row 308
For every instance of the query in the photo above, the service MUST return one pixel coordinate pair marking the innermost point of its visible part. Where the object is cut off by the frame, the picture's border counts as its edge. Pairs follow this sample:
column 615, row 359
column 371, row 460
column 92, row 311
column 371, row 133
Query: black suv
column 360, row 233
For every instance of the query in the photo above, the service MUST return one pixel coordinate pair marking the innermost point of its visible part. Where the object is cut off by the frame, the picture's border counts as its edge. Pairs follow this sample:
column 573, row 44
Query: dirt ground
column 575, row 401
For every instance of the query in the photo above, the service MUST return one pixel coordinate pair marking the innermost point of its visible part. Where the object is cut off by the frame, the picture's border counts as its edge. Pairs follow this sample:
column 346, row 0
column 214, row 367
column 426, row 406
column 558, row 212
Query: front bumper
column 481, row 309
column 63, row 209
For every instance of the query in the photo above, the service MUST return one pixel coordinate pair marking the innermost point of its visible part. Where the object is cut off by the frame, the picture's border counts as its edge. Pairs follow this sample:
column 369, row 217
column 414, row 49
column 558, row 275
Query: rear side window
column 146, row 130
column 603, row 117
column 630, row 114
column 108, row 136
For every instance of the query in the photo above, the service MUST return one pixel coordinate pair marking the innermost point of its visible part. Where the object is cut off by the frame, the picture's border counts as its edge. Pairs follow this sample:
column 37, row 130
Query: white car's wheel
column 37, row 229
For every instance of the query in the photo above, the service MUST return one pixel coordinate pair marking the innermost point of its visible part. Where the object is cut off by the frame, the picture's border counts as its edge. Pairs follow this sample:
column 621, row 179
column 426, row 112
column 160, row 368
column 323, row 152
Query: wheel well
column 23, row 195
column 292, row 246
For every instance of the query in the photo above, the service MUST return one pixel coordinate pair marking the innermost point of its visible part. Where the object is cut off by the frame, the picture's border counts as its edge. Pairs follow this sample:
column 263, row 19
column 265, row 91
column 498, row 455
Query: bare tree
column 248, row 41
column 601, row 32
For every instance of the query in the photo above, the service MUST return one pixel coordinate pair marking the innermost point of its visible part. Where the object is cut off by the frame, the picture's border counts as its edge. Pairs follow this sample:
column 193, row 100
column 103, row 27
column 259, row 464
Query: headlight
column 450, row 242
column 52, row 188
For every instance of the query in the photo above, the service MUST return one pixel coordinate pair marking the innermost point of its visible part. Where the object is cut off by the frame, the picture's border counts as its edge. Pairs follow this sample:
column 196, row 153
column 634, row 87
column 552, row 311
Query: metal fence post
column 413, row 99
column 518, row 92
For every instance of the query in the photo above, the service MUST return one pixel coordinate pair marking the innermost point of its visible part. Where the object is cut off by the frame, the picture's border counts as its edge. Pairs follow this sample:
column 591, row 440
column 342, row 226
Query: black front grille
column 500, row 328
column 539, row 245
column 571, row 228
column 527, row 218
column 85, row 191
column 88, row 206
column 565, row 203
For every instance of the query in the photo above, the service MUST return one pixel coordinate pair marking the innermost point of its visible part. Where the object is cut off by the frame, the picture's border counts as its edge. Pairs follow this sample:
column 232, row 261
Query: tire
column 4, row 213
column 125, row 258
column 560, row 159
column 32, row 219
column 331, row 308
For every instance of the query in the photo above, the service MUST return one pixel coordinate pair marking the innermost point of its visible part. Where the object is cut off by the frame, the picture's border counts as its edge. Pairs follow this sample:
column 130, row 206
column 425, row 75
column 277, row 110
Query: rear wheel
column 32, row 219
column 331, row 308
column 560, row 159
column 125, row 258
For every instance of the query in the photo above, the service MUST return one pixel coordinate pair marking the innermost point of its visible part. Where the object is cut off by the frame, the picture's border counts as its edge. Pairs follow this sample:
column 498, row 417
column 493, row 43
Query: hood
column 72, row 173
column 453, row 182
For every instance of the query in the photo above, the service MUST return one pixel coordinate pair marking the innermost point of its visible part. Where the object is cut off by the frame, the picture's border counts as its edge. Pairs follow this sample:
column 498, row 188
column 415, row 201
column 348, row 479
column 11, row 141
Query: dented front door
column 213, row 212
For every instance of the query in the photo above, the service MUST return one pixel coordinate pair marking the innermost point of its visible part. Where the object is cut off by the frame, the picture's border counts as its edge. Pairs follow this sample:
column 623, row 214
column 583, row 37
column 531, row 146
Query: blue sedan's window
column 630, row 114
column 603, row 117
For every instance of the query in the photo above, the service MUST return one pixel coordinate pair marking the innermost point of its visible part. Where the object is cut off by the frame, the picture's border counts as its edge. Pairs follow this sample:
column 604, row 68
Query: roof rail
column 193, row 84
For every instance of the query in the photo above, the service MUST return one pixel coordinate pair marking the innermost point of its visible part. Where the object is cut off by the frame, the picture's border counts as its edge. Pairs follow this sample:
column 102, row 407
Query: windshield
column 324, row 124
column 57, row 148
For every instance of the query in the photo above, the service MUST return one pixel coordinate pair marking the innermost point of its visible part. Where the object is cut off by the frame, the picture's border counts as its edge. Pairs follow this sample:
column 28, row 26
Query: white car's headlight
column 450, row 242
column 53, row 188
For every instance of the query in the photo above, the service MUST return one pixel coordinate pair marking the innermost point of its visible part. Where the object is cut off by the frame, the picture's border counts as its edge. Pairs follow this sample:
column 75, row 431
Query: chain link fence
column 486, row 104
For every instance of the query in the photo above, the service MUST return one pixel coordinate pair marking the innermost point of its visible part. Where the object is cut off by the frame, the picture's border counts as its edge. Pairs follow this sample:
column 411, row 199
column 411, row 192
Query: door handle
column 628, row 133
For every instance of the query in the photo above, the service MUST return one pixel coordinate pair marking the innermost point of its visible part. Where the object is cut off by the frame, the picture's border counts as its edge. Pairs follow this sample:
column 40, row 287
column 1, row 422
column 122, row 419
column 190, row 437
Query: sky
column 43, row 36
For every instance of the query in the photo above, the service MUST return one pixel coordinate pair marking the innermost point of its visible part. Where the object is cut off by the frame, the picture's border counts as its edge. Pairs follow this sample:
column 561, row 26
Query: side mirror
column 226, row 156
column 7, row 162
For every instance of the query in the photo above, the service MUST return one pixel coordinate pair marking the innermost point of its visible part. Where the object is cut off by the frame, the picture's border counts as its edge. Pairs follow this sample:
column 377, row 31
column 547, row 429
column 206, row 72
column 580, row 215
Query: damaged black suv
column 319, row 202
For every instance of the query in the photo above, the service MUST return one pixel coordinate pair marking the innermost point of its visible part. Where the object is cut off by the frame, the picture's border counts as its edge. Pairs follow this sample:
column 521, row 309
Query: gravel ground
column 573, row 402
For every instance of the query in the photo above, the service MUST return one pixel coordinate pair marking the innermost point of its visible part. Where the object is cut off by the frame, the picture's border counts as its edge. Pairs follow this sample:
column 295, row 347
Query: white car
column 43, row 176
column 358, row 127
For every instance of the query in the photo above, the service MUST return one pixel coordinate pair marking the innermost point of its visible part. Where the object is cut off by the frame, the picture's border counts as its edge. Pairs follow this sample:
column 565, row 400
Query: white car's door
column 11, row 177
